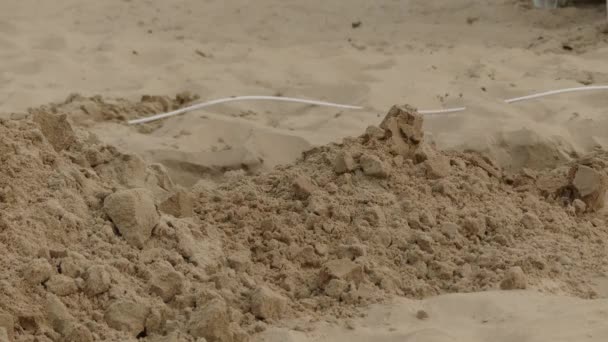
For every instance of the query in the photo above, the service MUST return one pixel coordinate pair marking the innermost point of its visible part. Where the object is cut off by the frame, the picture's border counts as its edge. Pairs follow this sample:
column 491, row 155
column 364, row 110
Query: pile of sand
column 100, row 245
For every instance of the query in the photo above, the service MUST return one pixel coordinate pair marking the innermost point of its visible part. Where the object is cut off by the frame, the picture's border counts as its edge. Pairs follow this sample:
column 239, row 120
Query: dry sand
column 429, row 54
column 100, row 245
column 475, row 317
column 89, row 255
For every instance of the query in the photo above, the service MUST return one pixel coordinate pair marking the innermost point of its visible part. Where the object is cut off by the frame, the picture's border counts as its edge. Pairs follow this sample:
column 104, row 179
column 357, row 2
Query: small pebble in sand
column 422, row 315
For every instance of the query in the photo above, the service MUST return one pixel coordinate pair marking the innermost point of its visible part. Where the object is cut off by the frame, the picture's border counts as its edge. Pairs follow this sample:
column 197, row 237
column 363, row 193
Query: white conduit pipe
column 522, row 98
column 343, row 106
column 442, row 111
column 555, row 92
column 239, row 98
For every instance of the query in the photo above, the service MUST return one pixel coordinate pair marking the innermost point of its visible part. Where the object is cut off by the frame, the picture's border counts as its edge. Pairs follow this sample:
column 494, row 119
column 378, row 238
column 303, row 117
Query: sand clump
column 515, row 279
column 100, row 245
column 179, row 204
column 134, row 214
column 88, row 110
column 212, row 322
column 267, row 304
column 97, row 280
column 590, row 184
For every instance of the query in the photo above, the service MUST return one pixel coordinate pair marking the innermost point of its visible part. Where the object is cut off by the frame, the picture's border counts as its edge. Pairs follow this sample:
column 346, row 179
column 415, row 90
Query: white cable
column 554, row 92
column 238, row 98
column 442, row 111
column 343, row 106
column 273, row 98
column 522, row 98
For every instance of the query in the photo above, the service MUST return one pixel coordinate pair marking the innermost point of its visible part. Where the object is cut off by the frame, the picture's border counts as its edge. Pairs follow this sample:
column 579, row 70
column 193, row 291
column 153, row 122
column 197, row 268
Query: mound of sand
column 184, row 238
column 99, row 245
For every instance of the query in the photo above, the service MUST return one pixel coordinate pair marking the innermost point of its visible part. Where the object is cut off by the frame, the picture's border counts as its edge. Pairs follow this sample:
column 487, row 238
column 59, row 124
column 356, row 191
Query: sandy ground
column 431, row 54
column 488, row 316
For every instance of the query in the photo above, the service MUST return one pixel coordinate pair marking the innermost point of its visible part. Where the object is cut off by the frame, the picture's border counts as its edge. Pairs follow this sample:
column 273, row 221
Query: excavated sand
column 100, row 245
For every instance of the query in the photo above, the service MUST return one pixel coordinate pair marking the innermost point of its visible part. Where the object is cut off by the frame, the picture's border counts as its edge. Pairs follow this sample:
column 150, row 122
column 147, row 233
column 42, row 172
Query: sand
column 514, row 316
column 101, row 245
column 70, row 254
column 425, row 53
